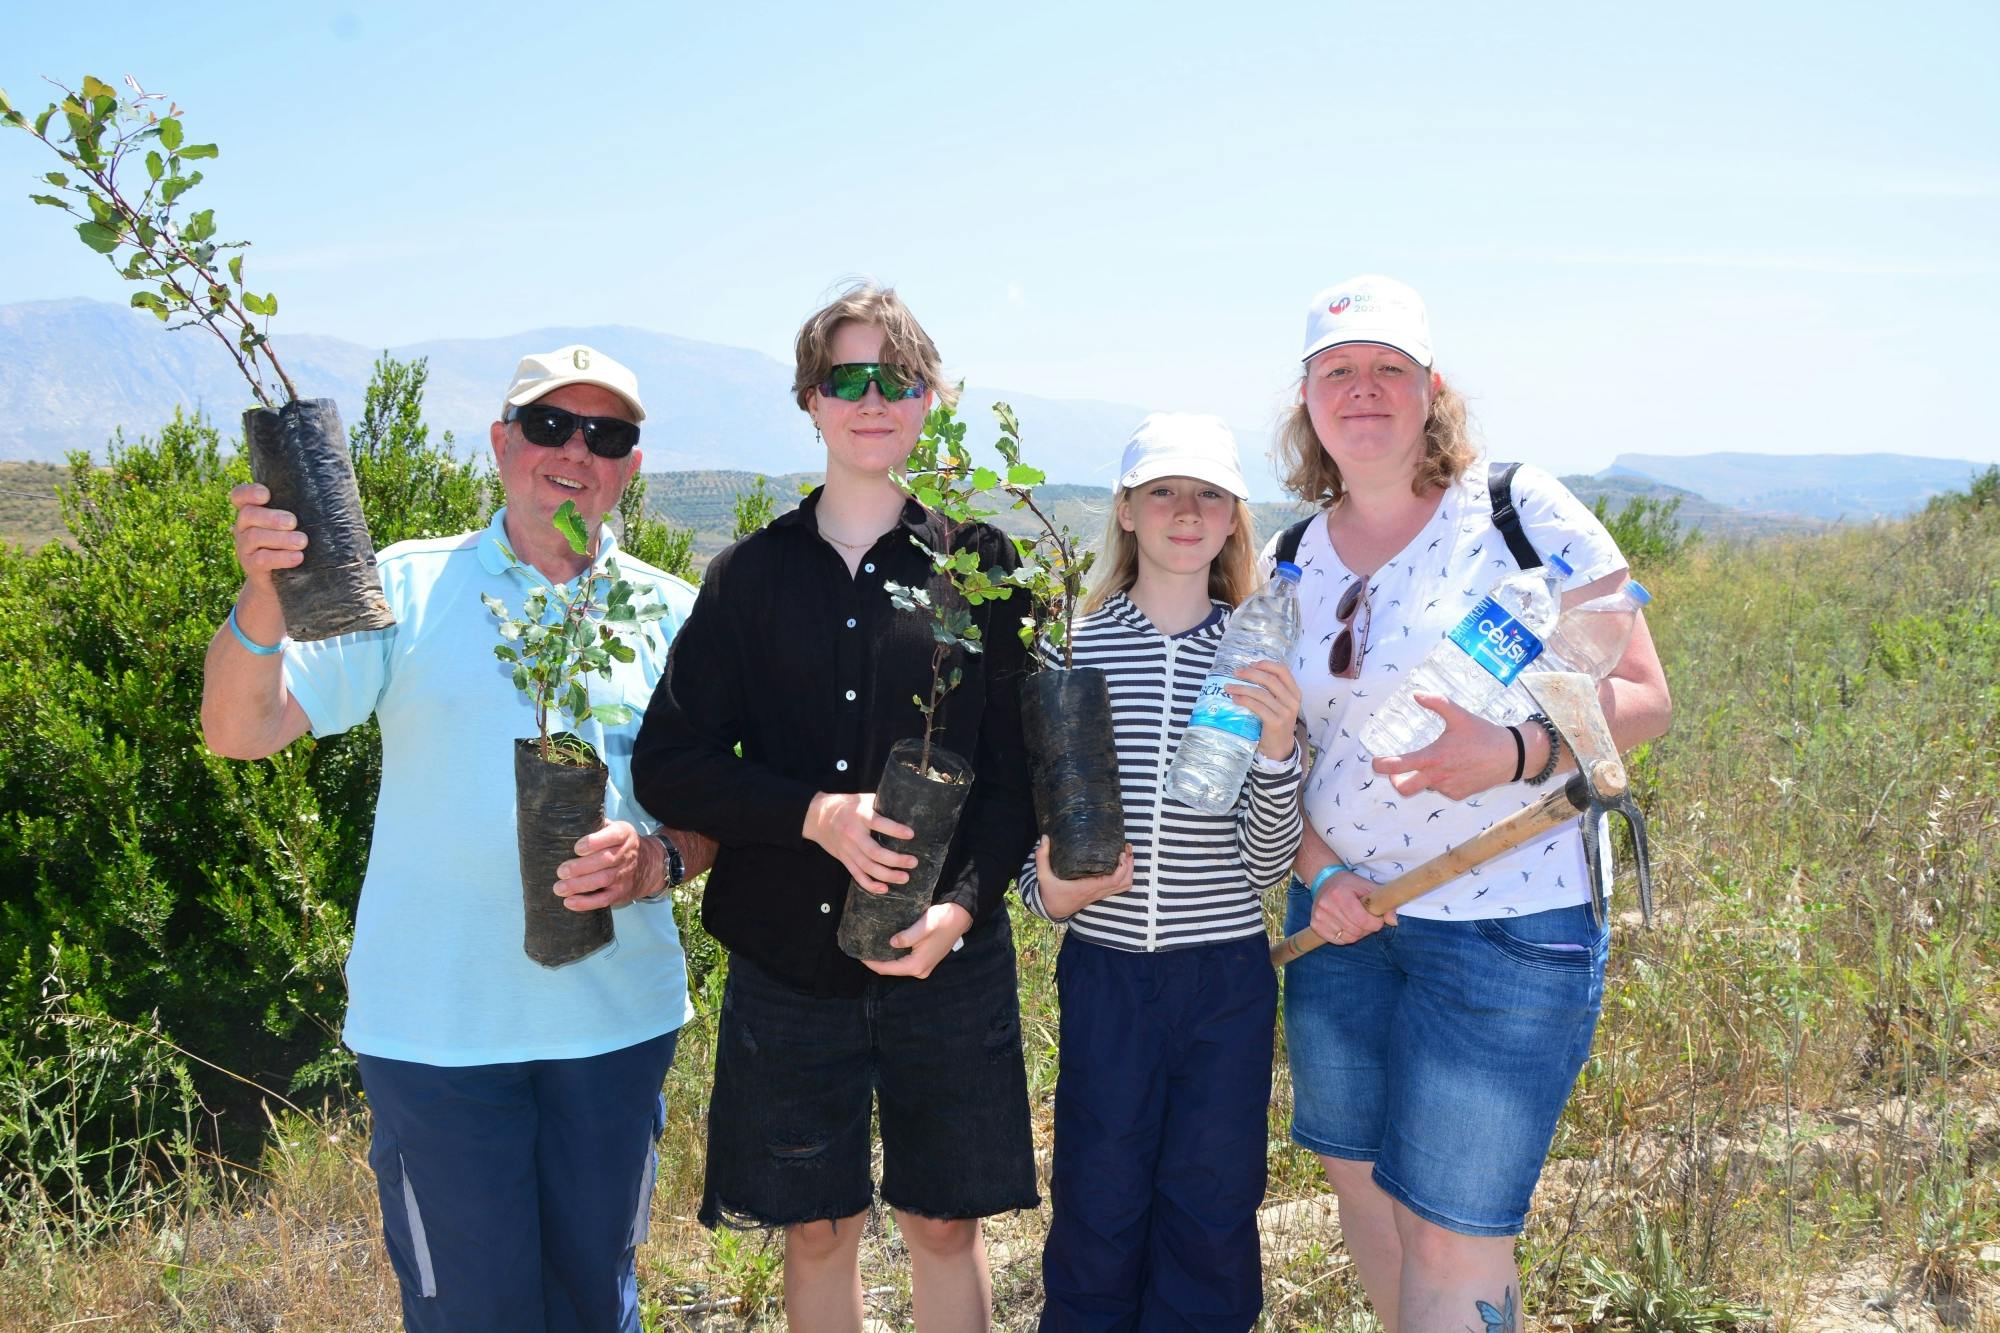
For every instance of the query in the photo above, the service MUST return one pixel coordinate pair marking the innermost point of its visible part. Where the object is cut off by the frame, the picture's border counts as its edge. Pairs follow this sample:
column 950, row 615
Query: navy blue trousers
column 1161, row 1129
column 514, row 1196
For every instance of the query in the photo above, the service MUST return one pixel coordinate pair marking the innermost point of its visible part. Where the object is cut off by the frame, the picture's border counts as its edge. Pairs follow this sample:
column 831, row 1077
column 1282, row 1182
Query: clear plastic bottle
column 1476, row 661
column 1214, row 755
column 1589, row 637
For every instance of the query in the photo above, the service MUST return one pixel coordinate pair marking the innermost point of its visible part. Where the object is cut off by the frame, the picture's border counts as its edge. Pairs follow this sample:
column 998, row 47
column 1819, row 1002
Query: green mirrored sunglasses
column 849, row 381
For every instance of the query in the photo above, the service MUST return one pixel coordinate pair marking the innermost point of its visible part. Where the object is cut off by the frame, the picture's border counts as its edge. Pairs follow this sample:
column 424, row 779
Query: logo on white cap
column 1369, row 309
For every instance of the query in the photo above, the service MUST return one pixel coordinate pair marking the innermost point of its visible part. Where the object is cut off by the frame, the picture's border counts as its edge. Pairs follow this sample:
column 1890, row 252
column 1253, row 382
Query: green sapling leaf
column 570, row 524
column 98, row 237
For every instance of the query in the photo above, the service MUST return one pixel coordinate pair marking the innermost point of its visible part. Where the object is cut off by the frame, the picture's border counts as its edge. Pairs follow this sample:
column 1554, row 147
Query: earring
column 817, row 437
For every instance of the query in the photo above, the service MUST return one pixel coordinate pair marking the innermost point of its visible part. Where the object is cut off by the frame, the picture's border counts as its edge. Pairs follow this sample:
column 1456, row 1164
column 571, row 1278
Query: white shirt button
column 850, row 696
column 869, row 567
column 840, row 765
column 824, row 908
column 850, row 622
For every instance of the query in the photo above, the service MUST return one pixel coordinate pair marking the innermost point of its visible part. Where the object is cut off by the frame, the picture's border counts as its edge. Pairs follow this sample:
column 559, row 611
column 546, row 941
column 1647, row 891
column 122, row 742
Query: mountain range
column 73, row 371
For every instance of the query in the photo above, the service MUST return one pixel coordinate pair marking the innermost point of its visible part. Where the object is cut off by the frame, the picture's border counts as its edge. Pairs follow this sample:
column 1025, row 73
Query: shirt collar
column 493, row 546
column 914, row 518
column 1124, row 610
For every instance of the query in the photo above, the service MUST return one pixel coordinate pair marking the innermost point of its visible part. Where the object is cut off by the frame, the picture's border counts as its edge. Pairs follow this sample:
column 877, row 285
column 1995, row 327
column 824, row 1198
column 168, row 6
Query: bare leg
column 949, row 1285
column 1368, row 1226
column 1446, row 1275
column 823, row 1276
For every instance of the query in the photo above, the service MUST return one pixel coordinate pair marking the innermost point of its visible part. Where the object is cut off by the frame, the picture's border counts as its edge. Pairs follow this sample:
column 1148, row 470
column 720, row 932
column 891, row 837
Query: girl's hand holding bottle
column 1269, row 691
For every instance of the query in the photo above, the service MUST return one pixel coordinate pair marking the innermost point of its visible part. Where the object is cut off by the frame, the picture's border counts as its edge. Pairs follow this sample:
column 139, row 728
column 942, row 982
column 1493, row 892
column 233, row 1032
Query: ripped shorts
column 796, row 1076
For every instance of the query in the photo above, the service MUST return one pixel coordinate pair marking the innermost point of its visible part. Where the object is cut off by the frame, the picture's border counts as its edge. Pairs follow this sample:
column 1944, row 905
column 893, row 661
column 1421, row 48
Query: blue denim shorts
column 1443, row 1052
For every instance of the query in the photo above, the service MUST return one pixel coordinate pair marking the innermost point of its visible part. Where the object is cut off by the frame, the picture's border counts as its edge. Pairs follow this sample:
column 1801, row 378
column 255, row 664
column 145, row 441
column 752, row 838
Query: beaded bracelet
column 250, row 644
column 1555, row 749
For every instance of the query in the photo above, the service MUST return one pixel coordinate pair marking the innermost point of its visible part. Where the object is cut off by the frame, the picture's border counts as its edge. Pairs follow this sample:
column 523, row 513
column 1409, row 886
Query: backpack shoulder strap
column 1288, row 540
column 1500, row 486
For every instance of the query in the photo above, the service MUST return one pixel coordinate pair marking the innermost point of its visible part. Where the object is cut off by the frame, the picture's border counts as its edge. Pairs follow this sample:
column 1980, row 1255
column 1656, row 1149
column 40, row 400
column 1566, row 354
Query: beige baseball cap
column 545, row 372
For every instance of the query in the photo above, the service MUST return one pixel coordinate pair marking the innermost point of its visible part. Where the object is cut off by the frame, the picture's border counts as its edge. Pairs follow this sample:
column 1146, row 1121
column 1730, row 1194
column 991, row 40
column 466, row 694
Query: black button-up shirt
column 813, row 674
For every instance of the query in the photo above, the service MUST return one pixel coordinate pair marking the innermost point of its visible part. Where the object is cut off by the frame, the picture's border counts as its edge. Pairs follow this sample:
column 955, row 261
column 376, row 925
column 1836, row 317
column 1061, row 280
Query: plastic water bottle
column 1476, row 661
column 1589, row 637
column 1208, row 769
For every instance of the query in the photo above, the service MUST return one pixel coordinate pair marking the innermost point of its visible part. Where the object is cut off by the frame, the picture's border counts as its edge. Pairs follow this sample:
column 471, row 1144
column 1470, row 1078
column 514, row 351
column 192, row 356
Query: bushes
column 148, row 889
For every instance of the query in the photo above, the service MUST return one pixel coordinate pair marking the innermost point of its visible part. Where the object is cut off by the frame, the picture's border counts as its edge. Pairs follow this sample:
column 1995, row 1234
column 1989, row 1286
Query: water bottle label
column 1214, row 708
column 1500, row 644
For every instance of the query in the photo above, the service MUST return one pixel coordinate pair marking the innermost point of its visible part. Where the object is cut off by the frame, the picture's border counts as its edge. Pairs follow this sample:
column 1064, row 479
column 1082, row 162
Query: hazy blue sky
column 1672, row 228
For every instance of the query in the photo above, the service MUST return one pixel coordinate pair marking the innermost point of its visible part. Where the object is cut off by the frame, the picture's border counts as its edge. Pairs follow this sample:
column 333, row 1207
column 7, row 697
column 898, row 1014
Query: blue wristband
column 1326, row 874
column 249, row 644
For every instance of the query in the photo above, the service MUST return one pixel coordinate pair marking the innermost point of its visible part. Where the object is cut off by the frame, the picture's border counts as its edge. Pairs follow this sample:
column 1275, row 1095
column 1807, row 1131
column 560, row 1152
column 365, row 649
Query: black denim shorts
column 796, row 1076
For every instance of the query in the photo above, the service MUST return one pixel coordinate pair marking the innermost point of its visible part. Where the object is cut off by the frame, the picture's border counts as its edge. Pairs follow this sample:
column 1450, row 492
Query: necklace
column 850, row 546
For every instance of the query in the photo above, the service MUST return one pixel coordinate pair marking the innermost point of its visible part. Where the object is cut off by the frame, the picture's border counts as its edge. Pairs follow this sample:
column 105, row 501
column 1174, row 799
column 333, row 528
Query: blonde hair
column 1232, row 575
column 904, row 342
column 1310, row 474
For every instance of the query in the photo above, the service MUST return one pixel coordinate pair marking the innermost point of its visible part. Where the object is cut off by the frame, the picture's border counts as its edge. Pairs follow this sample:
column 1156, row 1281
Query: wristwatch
column 676, row 870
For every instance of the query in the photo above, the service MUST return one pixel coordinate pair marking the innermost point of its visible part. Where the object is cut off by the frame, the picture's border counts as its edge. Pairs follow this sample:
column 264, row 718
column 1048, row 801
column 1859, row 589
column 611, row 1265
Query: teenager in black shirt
column 794, row 654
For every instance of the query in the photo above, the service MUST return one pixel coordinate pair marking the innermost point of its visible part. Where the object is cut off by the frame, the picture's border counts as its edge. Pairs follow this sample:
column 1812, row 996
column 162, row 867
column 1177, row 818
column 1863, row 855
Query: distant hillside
column 1822, row 486
column 1696, row 512
column 30, row 514
column 72, row 372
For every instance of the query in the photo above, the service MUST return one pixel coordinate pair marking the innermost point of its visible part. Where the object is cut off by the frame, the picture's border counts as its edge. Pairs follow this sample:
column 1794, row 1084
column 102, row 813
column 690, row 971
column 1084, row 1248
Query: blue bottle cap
column 1288, row 570
column 1561, row 566
column 1638, row 592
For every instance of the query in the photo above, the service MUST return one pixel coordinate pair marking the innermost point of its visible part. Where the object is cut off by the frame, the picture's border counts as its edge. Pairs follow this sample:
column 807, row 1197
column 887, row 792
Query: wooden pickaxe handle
column 1558, row 807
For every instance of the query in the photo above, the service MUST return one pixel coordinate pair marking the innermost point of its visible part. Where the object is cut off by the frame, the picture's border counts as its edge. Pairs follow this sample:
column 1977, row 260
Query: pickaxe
column 1598, row 788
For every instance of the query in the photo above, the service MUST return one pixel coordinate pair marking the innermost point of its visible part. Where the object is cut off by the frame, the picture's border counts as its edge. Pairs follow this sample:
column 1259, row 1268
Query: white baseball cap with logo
column 1182, row 444
column 1369, row 309
column 545, row 372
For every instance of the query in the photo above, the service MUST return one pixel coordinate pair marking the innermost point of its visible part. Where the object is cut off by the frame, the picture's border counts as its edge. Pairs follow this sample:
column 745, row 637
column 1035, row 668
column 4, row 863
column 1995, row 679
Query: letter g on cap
column 580, row 358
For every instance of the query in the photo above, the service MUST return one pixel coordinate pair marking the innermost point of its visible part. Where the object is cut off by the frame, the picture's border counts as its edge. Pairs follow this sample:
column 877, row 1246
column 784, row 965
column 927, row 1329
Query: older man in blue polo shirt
column 515, row 1106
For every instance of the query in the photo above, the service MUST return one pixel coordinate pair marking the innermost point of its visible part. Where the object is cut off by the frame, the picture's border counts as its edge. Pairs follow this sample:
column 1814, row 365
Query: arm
column 1474, row 754
column 246, row 711
column 1269, row 829
column 685, row 769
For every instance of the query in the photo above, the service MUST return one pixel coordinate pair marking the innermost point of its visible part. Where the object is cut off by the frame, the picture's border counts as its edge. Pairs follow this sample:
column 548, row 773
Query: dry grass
column 1796, row 1083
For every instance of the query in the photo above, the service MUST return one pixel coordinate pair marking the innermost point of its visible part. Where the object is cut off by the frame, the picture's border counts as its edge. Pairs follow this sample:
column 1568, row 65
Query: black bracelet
column 1555, row 749
column 1520, row 754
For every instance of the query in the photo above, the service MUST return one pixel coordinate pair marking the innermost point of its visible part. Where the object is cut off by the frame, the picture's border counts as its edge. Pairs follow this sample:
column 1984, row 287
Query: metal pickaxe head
column 1569, row 700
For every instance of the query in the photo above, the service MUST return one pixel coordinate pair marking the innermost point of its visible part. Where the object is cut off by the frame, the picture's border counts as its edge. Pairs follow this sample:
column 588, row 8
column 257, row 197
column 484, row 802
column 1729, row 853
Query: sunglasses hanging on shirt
column 1343, row 660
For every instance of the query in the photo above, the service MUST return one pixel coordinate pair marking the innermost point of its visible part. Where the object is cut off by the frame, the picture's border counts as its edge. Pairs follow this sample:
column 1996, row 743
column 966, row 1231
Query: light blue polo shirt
column 436, row 974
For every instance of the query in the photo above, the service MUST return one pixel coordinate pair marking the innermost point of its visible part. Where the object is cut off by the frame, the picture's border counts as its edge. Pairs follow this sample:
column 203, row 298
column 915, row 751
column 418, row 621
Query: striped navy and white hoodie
column 1196, row 878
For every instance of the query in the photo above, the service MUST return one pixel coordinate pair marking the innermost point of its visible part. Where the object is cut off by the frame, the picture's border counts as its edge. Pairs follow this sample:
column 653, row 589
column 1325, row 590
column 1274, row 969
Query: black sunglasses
column 551, row 427
column 849, row 381
column 1343, row 660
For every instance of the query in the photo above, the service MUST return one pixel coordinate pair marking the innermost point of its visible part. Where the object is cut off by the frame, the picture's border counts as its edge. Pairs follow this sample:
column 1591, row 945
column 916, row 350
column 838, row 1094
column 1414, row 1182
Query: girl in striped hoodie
column 1169, row 1000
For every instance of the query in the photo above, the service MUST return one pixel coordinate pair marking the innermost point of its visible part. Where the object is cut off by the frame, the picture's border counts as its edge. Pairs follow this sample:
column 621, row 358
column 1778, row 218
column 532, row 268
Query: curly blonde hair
column 1232, row 575
column 1310, row 474
column 904, row 342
